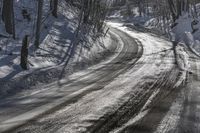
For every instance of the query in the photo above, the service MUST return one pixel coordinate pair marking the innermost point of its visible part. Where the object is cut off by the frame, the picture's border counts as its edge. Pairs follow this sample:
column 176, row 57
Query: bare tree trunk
column 179, row 10
column 187, row 5
column 24, row 53
column 8, row 16
column 54, row 8
column 39, row 21
column 172, row 9
column 1, row 7
column 86, row 11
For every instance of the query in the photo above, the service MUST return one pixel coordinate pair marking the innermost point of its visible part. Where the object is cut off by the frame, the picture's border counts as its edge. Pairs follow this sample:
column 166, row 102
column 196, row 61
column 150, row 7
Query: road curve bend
column 22, row 114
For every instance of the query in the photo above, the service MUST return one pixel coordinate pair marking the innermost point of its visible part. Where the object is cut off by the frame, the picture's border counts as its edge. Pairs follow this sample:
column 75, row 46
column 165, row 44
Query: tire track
column 129, row 56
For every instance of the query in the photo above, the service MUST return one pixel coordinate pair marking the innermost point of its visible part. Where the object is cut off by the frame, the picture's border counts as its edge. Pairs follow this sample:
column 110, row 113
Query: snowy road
column 14, row 111
column 138, row 89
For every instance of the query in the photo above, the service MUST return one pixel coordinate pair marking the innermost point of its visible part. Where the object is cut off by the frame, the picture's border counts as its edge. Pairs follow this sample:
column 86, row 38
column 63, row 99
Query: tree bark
column 55, row 8
column 39, row 23
column 172, row 9
column 8, row 16
column 24, row 53
column 179, row 10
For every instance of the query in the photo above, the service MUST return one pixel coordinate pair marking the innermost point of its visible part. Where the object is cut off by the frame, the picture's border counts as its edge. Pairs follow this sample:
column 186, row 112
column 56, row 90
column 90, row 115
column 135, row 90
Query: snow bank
column 183, row 31
column 48, row 62
column 193, row 45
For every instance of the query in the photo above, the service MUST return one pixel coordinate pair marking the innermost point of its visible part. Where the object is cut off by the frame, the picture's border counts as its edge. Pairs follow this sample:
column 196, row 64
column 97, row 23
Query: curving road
column 16, row 112
column 138, row 89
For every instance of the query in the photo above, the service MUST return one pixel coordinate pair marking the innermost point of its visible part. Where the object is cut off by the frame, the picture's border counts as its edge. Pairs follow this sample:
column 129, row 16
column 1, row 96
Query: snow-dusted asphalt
column 93, row 79
column 137, row 90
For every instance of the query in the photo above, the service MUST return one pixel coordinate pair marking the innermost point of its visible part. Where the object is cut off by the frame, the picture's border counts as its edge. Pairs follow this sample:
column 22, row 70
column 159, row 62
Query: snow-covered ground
column 47, row 63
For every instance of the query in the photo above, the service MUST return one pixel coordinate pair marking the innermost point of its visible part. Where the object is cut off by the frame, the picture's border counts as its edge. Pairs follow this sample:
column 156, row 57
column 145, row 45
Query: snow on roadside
column 183, row 31
column 30, row 80
column 193, row 45
column 46, row 65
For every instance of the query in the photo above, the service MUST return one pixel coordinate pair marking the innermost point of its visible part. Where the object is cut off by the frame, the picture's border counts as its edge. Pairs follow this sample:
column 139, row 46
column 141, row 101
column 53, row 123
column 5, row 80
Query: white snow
column 57, row 35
